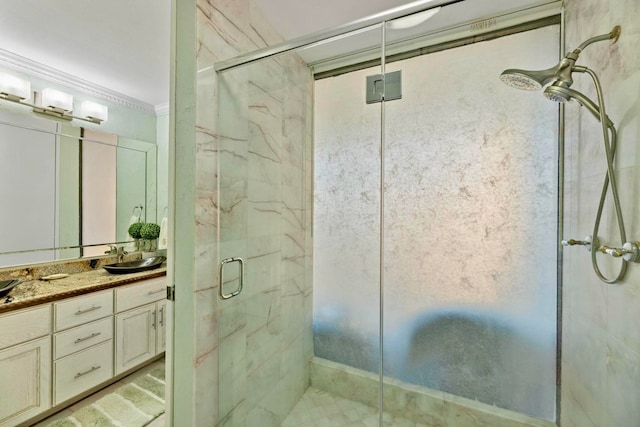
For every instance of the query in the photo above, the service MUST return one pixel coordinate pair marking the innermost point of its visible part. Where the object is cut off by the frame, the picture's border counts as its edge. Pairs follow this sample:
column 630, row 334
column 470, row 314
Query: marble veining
column 252, row 199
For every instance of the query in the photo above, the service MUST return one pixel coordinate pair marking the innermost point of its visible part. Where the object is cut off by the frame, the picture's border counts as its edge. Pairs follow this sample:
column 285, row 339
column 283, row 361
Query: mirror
column 68, row 191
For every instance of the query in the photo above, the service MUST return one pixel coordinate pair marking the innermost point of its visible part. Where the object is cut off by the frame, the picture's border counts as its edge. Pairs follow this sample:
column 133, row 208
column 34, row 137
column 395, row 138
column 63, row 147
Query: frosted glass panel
column 346, row 222
column 470, row 224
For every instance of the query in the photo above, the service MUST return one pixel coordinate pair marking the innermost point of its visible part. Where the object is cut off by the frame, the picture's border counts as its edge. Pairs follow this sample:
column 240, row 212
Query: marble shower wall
column 251, row 163
column 601, row 323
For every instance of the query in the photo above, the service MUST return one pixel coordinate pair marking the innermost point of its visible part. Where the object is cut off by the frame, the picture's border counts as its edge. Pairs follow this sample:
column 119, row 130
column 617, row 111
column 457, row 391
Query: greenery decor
column 134, row 230
column 150, row 231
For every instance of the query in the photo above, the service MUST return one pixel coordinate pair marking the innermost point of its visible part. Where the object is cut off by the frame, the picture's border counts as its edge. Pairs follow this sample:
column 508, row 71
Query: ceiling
column 123, row 45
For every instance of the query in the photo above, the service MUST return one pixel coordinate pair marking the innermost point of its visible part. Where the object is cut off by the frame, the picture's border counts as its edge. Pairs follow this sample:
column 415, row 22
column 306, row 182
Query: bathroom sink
column 135, row 266
column 7, row 285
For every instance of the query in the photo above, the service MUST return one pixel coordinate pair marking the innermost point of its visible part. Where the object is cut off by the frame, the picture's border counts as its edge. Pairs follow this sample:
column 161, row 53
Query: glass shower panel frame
column 471, row 189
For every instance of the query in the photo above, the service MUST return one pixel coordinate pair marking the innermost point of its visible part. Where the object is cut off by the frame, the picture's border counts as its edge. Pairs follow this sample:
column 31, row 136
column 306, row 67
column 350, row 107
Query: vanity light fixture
column 93, row 111
column 14, row 88
column 51, row 102
column 57, row 101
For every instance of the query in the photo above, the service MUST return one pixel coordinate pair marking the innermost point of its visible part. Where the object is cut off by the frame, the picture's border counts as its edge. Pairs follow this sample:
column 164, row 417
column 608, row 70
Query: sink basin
column 135, row 266
column 7, row 285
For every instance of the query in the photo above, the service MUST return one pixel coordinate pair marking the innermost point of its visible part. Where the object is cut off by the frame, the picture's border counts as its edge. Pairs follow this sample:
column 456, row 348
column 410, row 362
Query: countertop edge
column 37, row 300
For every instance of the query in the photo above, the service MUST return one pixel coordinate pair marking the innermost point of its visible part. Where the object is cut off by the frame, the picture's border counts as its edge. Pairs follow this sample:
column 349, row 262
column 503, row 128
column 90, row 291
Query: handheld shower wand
column 561, row 78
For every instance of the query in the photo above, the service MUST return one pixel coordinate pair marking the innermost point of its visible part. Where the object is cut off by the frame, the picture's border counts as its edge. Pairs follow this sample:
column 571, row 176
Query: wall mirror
column 69, row 191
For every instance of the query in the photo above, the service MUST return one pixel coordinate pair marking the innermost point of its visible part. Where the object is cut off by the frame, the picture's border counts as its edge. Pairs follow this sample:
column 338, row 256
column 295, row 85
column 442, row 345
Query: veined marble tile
column 230, row 21
column 414, row 403
column 232, row 372
column 623, row 385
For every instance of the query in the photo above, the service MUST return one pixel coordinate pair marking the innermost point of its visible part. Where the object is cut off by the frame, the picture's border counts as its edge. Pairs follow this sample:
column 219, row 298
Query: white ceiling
column 123, row 45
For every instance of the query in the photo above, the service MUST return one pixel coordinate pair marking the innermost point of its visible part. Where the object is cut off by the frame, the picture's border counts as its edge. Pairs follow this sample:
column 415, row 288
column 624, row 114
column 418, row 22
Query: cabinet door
column 25, row 381
column 161, row 343
column 135, row 337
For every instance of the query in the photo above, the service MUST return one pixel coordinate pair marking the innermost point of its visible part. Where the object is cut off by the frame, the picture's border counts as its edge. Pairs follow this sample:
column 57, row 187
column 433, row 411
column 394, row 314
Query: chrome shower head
column 560, row 73
column 558, row 93
column 528, row 80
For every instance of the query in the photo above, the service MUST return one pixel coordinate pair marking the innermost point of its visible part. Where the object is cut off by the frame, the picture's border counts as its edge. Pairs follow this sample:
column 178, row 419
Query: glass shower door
column 264, row 291
column 276, row 314
column 471, row 229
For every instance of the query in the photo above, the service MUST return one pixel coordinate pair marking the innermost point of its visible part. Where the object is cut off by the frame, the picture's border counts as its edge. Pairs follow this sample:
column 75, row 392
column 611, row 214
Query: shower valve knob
column 573, row 242
column 630, row 251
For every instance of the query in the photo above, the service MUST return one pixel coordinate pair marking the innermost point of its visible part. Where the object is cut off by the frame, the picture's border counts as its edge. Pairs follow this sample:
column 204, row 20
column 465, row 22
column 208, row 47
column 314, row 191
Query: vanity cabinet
column 25, row 364
column 82, row 344
column 140, row 323
column 54, row 353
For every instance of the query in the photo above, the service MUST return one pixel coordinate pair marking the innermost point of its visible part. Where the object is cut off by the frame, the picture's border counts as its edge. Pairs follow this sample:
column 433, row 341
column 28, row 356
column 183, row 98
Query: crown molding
column 44, row 72
column 162, row 109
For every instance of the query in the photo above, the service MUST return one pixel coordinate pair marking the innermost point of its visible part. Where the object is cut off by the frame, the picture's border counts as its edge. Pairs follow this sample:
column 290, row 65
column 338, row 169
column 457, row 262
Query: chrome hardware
column 629, row 252
column 88, row 310
column 93, row 335
column 153, row 323
column 161, row 316
column 156, row 292
column 121, row 253
column 221, row 274
column 93, row 368
column 572, row 242
column 117, row 250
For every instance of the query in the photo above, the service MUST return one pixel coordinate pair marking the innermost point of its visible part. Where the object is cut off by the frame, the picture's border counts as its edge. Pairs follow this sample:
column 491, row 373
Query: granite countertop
column 34, row 290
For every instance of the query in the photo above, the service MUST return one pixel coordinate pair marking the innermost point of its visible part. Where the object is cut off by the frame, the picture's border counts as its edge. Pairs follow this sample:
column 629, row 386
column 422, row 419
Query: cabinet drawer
column 140, row 293
column 79, row 310
column 24, row 325
column 82, row 337
column 81, row 371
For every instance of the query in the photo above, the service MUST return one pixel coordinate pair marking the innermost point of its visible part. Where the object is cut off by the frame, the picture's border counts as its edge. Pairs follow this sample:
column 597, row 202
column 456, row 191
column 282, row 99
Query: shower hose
column 609, row 179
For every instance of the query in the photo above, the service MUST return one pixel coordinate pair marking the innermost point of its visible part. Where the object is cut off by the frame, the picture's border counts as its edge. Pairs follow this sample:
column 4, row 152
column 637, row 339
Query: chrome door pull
column 93, row 368
column 88, row 310
column 221, row 274
column 93, row 335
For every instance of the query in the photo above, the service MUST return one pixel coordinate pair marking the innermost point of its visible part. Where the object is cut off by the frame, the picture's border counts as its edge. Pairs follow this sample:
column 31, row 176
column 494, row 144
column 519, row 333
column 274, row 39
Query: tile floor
column 158, row 422
column 318, row 408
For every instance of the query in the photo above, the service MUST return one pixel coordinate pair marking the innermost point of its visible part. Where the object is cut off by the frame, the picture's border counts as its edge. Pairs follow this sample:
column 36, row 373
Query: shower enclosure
column 401, row 254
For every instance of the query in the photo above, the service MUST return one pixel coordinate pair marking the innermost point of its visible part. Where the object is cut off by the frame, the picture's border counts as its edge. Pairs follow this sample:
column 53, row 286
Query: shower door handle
column 221, row 274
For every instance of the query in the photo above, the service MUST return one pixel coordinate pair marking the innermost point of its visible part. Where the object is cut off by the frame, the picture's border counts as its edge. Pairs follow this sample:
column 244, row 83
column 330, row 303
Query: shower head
column 559, row 93
column 528, row 80
column 560, row 73
column 535, row 80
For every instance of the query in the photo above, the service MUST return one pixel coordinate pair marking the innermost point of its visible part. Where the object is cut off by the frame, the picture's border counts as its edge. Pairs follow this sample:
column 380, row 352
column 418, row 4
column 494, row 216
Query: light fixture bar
column 50, row 102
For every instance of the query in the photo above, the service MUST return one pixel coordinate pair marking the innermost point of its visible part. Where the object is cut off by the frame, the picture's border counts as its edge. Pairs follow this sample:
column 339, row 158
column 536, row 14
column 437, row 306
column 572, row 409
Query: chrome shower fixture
column 559, row 79
column 561, row 73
